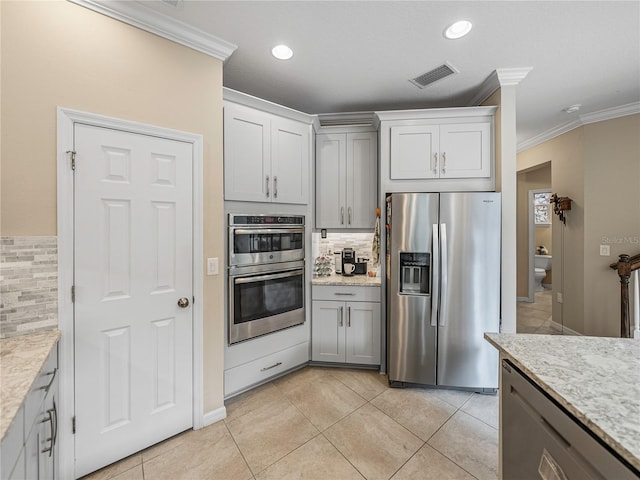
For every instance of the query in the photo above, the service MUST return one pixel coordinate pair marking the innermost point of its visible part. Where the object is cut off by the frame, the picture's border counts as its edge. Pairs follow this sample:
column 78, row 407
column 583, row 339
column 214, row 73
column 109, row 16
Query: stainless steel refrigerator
column 443, row 288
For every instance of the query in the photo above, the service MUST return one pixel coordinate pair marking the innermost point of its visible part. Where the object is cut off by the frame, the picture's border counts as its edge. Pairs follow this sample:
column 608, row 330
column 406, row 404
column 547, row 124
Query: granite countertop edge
column 22, row 359
column 580, row 413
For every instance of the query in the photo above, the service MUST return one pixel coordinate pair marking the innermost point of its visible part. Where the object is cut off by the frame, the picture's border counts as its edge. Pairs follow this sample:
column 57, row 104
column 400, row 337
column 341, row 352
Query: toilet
column 542, row 263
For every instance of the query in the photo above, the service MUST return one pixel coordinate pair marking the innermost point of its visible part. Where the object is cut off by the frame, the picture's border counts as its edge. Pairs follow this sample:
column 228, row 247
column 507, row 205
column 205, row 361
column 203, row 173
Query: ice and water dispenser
column 415, row 273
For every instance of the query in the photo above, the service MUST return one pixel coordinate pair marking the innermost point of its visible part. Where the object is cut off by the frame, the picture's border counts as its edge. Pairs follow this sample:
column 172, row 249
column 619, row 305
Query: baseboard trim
column 564, row 330
column 214, row 416
column 523, row 299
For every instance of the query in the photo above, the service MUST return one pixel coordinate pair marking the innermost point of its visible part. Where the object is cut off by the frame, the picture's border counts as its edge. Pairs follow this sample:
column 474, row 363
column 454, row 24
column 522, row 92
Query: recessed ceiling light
column 458, row 29
column 282, row 52
column 573, row 108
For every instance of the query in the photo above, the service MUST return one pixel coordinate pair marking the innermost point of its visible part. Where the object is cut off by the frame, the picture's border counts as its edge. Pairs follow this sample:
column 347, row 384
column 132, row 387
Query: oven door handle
column 253, row 231
column 271, row 276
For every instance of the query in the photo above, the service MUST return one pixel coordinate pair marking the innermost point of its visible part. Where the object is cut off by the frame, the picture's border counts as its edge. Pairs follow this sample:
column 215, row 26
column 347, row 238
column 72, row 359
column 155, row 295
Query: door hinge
column 73, row 424
column 73, row 159
column 73, row 294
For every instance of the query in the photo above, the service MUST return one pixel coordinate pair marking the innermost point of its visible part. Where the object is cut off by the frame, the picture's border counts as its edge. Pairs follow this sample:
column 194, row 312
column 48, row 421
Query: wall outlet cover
column 605, row 250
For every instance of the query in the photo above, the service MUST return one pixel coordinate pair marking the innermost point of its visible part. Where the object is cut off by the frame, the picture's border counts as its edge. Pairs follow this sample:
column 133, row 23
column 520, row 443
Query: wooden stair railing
column 625, row 265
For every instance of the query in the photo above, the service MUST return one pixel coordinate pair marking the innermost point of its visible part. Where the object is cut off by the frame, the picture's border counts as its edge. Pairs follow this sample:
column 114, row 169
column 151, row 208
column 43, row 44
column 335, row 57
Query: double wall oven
column 266, row 274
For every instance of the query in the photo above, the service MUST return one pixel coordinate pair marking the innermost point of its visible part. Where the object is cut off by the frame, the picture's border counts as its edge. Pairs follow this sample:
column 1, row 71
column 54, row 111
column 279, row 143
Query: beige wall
column 598, row 167
column 565, row 153
column 612, row 216
column 535, row 179
column 60, row 54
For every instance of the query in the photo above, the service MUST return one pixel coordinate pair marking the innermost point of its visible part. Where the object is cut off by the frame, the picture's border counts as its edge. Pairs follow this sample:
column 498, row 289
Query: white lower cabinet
column 29, row 447
column 346, row 331
column 247, row 375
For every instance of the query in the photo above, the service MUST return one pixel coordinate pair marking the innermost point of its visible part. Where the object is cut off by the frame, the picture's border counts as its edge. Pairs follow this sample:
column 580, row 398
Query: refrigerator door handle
column 443, row 269
column 435, row 276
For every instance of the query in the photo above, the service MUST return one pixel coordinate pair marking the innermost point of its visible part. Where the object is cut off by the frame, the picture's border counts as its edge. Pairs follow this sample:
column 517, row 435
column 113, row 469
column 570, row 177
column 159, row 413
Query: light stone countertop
column 21, row 359
column 596, row 379
column 353, row 280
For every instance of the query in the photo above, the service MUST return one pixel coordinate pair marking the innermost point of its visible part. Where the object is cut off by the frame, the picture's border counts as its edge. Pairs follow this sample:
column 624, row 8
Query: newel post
column 624, row 272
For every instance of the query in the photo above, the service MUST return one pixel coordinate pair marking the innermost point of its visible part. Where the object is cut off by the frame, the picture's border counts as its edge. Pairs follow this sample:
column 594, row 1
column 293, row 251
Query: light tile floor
column 331, row 424
column 536, row 317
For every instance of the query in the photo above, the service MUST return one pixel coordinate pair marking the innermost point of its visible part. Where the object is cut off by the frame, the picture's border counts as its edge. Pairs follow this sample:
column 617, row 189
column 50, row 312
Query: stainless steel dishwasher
column 540, row 440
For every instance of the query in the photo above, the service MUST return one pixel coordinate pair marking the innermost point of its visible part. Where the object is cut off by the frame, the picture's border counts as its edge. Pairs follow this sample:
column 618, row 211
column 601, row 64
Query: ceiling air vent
column 434, row 75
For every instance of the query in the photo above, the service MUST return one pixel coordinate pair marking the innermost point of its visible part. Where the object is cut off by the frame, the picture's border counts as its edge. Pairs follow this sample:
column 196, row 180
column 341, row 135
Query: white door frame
column 531, row 246
column 65, row 206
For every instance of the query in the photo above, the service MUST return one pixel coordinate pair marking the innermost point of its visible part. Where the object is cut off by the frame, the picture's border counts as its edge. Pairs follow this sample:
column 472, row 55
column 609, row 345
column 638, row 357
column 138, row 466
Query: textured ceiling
column 359, row 55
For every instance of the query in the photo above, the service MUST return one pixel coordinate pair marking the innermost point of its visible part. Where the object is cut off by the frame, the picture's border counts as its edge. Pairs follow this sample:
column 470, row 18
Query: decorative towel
column 375, row 247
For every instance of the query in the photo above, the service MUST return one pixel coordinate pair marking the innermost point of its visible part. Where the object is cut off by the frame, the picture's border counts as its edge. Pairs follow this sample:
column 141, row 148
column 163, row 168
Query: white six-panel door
column 133, row 262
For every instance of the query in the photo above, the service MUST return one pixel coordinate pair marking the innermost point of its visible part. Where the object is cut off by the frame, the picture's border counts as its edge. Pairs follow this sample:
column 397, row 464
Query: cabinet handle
column 267, row 186
column 55, row 419
column 343, row 293
column 272, row 366
column 435, row 167
column 444, row 162
column 348, row 316
column 51, row 430
column 341, row 215
column 275, row 187
column 349, row 210
column 48, row 385
column 341, row 316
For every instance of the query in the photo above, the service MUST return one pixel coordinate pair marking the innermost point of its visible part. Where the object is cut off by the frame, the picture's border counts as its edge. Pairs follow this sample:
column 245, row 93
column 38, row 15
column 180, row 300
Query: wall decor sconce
column 560, row 205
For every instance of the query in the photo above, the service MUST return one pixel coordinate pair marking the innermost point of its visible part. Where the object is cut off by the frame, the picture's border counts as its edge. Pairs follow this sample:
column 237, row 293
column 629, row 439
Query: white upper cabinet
column 346, row 180
column 266, row 156
column 289, row 161
column 456, row 150
column 247, row 154
column 439, row 149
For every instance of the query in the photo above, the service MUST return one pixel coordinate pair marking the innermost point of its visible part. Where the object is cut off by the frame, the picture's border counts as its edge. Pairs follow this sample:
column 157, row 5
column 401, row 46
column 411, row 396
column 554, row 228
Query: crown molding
column 346, row 119
column 230, row 95
column 137, row 15
column 501, row 77
column 585, row 119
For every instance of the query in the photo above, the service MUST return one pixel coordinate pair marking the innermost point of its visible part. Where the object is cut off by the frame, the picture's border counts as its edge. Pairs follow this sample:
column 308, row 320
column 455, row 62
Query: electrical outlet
column 605, row 250
column 560, row 297
column 212, row 266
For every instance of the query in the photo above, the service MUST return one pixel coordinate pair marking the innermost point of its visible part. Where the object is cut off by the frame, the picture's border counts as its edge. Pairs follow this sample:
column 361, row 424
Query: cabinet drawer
column 347, row 293
column 41, row 387
column 243, row 376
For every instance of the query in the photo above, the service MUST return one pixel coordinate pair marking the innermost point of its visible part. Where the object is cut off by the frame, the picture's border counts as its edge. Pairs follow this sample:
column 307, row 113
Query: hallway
column 536, row 317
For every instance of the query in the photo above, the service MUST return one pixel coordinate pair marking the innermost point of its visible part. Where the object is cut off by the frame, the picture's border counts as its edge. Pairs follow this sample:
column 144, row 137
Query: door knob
column 183, row 302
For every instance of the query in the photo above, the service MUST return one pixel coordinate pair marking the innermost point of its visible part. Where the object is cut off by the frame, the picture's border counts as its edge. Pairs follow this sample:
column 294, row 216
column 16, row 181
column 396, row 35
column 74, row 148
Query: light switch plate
column 212, row 266
column 605, row 250
column 560, row 297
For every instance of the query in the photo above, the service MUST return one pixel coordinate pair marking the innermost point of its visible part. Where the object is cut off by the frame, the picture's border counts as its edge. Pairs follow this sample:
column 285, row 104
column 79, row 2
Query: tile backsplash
column 28, row 285
column 360, row 242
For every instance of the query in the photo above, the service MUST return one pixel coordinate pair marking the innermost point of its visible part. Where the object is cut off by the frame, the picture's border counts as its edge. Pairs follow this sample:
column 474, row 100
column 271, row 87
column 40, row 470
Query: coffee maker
column 348, row 256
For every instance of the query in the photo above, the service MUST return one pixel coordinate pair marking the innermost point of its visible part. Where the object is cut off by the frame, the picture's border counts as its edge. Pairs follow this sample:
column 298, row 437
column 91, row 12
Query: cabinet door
column 363, row 333
column 247, row 154
column 328, row 331
column 331, row 166
column 362, row 179
column 31, row 451
column 465, row 150
column 289, row 161
column 414, row 152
